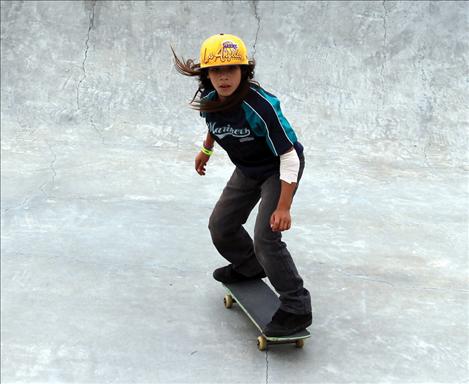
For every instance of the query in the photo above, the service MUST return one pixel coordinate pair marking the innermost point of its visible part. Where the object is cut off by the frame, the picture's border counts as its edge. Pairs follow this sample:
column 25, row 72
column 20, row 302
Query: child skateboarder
column 247, row 122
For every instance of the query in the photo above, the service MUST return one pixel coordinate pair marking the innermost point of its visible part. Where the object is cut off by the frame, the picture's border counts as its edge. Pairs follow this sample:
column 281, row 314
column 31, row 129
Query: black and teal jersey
column 255, row 134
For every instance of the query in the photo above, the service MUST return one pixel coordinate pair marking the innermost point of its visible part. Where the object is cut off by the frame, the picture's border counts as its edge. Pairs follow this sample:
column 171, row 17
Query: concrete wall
column 381, row 77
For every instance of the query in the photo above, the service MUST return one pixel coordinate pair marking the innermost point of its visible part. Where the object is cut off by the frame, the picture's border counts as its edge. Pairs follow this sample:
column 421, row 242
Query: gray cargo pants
column 267, row 252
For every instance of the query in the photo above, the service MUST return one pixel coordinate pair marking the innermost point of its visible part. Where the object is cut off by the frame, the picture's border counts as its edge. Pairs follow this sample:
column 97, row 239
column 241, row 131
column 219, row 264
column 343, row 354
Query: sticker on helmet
column 229, row 44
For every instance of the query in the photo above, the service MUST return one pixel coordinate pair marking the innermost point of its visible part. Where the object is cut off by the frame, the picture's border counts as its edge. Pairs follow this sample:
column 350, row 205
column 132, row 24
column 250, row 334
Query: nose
column 223, row 74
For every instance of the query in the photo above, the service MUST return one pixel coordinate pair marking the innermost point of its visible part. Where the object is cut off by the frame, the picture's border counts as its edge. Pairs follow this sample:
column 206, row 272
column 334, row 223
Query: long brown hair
column 192, row 69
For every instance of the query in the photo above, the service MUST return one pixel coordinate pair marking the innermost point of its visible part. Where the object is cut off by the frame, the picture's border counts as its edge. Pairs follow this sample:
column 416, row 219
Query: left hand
column 280, row 220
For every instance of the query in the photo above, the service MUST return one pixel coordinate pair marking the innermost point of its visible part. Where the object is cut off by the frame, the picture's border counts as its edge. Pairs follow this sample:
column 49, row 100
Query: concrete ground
column 105, row 253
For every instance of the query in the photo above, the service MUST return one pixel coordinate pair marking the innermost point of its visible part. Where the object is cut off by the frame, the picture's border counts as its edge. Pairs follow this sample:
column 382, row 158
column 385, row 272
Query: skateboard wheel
column 299, row 343
column 228, row 300
column 261, row 343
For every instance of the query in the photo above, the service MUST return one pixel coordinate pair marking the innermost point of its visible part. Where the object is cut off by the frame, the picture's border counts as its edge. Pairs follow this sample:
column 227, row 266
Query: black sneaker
column 286, row 323
column 228, row 275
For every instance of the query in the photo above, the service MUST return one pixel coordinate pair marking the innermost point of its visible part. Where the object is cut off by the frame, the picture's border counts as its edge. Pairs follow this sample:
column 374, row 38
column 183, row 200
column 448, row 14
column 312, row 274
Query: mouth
column 225, row 86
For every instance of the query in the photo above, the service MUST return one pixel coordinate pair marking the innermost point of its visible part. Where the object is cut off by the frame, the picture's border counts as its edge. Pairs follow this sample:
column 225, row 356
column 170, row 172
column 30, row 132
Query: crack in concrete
column 97, row 130
column 453, row 290
column 383, row 67
column 25, row 130
column 90, row 26
column 368, row 278
column 425, row 113
column 52, row 168
column 266, row 367
column 383, row 64
column 425, row 155
column 256, row 15
column 21, row 205
column 28, row 199
column 364, row 277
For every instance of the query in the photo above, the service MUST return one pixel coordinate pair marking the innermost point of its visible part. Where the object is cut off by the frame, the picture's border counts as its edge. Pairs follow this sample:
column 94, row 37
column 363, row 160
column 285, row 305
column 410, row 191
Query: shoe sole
column 290, row 332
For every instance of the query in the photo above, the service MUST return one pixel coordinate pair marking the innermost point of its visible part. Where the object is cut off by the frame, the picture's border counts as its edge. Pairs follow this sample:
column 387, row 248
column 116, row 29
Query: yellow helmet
column 223, row 49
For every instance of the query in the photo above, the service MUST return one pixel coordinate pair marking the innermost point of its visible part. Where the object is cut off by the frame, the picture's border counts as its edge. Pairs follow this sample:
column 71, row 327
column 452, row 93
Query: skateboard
column 260, row 303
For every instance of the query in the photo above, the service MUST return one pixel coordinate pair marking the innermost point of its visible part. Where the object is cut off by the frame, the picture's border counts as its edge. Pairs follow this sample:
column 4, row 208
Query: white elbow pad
column 289, row 167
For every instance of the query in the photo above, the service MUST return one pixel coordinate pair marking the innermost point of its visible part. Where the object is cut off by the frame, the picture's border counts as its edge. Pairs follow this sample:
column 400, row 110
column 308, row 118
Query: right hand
column 200, row 162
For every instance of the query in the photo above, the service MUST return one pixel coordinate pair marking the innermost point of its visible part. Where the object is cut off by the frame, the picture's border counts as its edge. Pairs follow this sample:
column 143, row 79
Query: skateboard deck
column 260, row 303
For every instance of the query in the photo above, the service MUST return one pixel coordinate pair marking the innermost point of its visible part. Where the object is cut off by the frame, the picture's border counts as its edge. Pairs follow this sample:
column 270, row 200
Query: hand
column 200, row 162
column 280, row 220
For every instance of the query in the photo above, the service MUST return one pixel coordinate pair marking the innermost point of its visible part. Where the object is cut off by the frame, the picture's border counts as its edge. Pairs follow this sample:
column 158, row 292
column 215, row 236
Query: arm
column 209, row 142
column 281, row 219
column 201, row 159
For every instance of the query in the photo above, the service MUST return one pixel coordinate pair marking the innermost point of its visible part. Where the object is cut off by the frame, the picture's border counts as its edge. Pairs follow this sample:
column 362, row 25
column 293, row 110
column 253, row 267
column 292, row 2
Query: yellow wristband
column 208, row 152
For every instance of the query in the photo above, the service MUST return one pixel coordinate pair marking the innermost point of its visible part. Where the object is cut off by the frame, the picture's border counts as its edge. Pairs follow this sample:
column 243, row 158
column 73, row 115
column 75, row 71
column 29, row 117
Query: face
column 225, row 79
